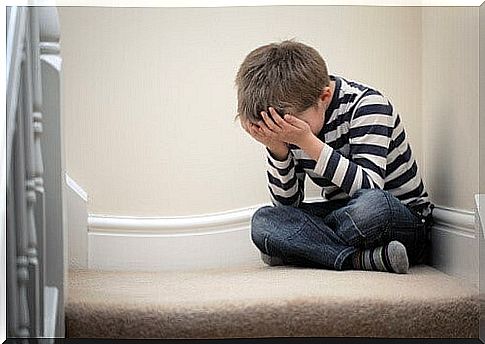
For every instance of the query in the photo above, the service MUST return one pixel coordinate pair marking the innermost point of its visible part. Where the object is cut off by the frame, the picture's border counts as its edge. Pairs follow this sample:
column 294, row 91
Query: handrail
column 15, row 44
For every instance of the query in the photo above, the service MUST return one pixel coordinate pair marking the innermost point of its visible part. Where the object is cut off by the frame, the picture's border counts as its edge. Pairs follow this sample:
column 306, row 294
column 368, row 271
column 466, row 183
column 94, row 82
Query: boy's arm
column 286, row 180
column 370, row 133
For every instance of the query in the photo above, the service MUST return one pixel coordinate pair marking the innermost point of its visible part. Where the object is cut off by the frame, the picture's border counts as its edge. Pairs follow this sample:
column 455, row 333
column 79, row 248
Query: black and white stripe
column 365, row 147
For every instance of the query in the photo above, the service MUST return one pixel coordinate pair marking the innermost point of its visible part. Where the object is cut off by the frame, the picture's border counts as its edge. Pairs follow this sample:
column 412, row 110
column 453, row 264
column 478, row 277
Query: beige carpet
column 263, row 301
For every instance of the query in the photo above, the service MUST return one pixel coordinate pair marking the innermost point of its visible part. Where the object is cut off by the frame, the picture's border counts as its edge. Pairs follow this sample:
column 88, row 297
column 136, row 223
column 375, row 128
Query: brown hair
column 289, row 76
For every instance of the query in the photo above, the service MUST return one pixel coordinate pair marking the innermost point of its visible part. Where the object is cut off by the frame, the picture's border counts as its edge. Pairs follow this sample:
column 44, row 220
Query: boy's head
column 289, row 76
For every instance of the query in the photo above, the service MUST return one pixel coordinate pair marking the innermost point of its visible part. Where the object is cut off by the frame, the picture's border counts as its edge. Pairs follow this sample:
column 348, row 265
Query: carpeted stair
column 263, row 301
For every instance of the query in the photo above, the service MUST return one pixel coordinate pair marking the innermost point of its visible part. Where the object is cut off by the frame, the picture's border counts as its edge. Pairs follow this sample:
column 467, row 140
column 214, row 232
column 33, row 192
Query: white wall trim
column 77, row 223
column 76, row 188
column 223, row 239
column 455, row 244
column 453, row 220
column 171, row 243
column 480, row 200
column 172, row 226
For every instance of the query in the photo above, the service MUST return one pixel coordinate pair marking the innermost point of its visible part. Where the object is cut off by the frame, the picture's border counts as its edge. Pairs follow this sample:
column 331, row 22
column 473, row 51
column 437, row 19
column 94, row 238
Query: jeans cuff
column 343, row 256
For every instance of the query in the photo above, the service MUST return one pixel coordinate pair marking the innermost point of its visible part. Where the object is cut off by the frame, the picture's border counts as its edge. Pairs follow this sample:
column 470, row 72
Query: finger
column 258, row 136
column 261, row 132
column 296, row 122
column 269, row 121
column 277, row 118
column 254, row 131
column 251, row 127
column 263, row 126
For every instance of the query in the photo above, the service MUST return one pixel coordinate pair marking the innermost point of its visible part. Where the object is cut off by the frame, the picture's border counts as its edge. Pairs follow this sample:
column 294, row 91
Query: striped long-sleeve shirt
column 365, row 146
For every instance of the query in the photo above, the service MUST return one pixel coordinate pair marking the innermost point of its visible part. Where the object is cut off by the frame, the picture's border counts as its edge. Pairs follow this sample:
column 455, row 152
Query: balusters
column 31, row 110
column 12, row 278
column 53, row 152
column 38, row 167
column 35, row 289
column 37, row 99
column 23, row 324
column 25, row 182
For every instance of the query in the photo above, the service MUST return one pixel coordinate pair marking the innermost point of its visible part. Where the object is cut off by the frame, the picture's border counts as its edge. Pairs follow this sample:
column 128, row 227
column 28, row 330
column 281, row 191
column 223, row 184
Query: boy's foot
column 391, row 258
column 271, row 260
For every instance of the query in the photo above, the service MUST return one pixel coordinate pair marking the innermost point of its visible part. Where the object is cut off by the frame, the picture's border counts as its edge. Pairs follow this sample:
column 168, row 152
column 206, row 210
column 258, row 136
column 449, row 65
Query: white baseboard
column 77, row 219
column 454, row 243
column 223, row 240
column 172, row 243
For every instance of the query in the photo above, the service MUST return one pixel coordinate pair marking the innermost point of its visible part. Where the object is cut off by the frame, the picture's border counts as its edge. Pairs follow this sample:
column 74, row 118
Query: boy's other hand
column 276, row 146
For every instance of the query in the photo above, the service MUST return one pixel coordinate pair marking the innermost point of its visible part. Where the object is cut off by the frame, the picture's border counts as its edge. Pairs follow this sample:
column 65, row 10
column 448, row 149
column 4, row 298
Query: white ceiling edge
column 232, row 3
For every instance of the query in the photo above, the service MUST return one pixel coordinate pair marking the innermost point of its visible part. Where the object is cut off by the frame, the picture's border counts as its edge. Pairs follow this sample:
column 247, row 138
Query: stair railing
column 35, row 231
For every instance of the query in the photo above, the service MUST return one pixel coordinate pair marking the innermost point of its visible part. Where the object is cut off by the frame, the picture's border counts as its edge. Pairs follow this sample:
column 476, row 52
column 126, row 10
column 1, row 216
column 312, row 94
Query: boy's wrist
column 279, row 153
column 312, row 146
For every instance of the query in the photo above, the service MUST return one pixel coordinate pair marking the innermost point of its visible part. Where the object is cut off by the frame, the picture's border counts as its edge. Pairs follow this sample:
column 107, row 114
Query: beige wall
column 149, row 98
column 450, row 104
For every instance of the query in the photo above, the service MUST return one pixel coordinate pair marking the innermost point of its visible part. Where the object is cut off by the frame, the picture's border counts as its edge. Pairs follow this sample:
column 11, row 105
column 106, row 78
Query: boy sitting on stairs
column 349, row 139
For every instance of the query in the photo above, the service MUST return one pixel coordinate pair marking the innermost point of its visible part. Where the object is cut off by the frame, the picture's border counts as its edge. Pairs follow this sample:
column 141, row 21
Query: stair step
column 257, row 301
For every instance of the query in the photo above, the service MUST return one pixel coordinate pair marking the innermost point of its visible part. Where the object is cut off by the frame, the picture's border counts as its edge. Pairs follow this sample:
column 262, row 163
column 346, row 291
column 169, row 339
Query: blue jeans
column 325, row 234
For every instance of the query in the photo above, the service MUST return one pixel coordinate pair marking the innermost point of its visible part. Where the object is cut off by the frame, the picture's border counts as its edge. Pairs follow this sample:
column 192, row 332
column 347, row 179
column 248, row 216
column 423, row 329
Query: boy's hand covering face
column 288, row 129
column 254, row 130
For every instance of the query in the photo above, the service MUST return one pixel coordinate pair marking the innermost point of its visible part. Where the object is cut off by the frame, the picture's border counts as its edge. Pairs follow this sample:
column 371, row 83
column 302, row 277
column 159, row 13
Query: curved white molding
column 172, row 226
column 230, row 220
column 461, row 222
column 480, row 200
column 213, row 223
column 455, row 219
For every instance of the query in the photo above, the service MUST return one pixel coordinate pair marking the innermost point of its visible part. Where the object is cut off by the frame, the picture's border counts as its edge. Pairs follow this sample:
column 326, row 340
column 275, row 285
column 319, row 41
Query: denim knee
column 259, row 215
column 259, row 226
column 277, row 222
column 365, row 220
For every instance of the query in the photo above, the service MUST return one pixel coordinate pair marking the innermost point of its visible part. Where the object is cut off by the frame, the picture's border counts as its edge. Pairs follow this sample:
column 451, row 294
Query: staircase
column 36, row 265
column 258, row 301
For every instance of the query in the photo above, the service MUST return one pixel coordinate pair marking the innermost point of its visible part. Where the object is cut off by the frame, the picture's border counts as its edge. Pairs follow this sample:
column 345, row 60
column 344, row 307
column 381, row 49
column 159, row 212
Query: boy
column 349, row 139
